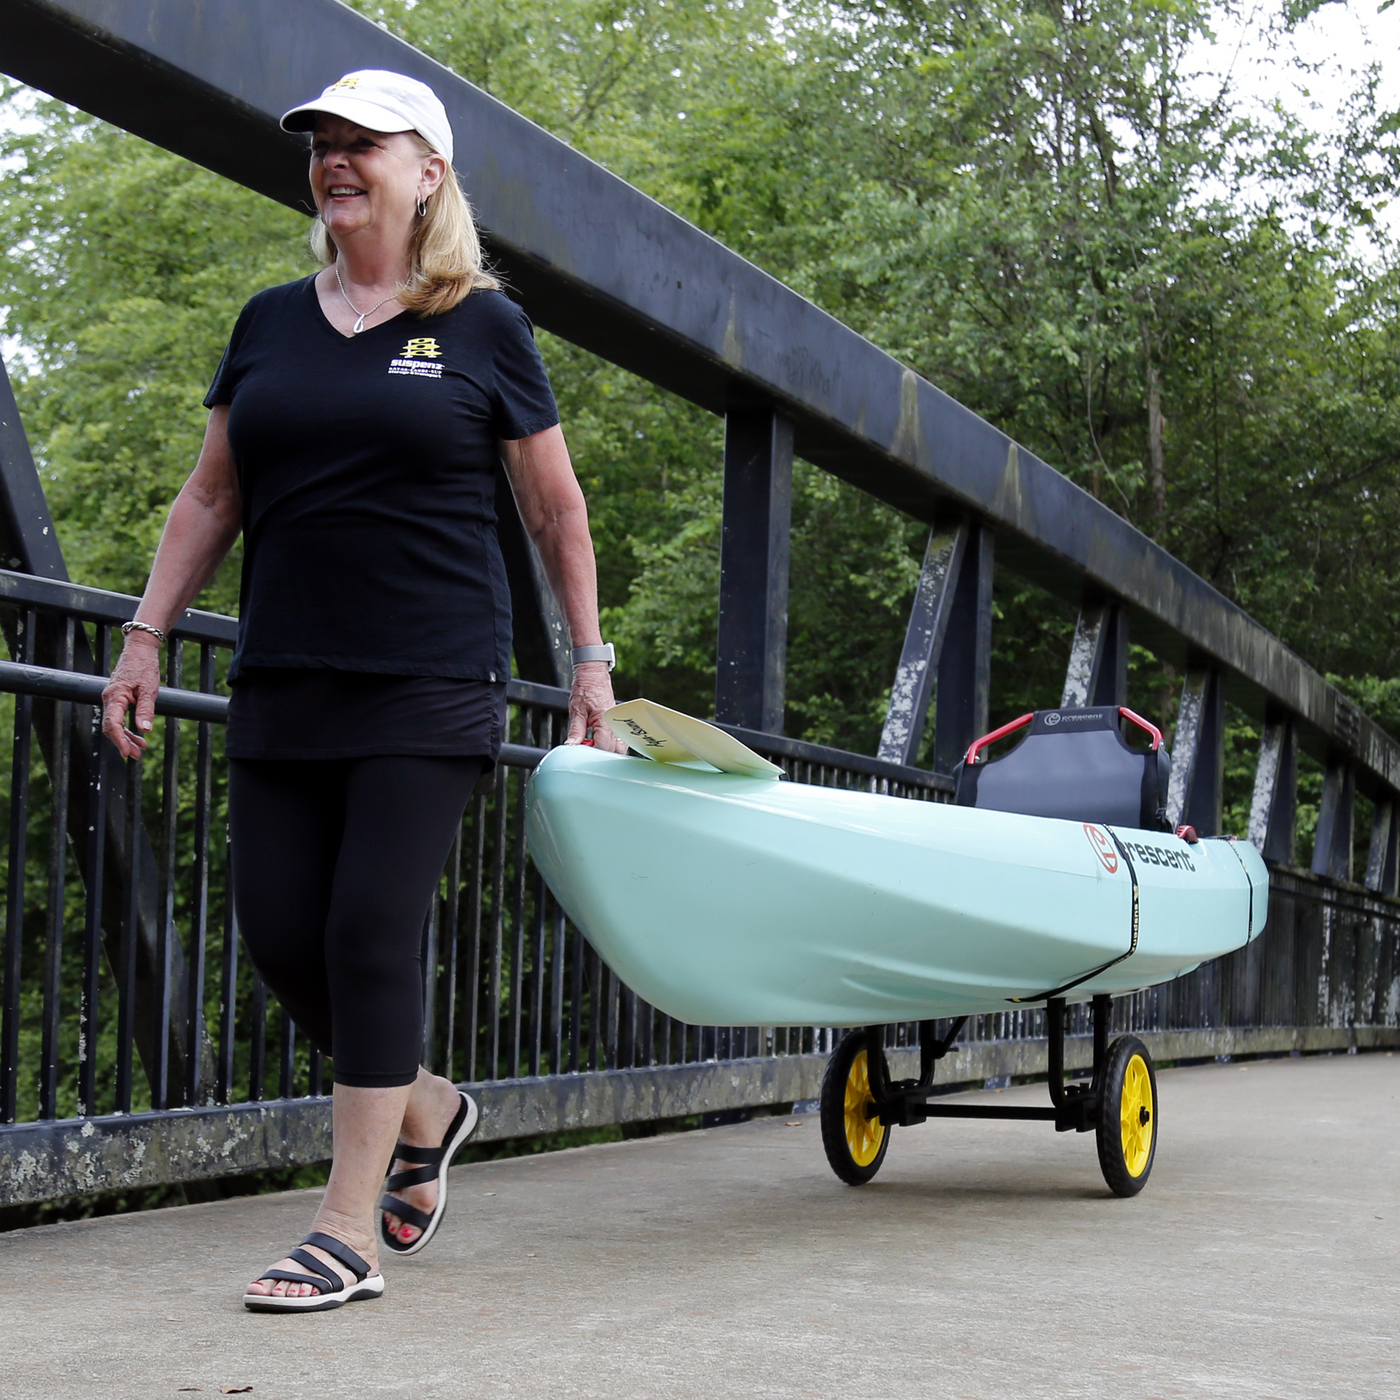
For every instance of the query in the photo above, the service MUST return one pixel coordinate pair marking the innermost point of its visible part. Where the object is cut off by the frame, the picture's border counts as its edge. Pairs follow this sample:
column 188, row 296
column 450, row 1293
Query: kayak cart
column 861, row 1104
column 726, row 896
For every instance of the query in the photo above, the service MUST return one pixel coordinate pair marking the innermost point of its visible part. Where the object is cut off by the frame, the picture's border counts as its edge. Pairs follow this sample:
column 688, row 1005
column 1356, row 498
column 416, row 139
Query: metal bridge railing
column 138, row 1046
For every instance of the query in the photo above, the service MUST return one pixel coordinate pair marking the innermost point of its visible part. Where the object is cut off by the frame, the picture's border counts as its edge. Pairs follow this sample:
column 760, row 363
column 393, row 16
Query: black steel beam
column 1383, row 858
column 1336, row 817
column 965, row 661
column 539, row 632
column 1273, row 813
column 1199, row 755
column 27, row 538
column 1097, row 673
column 923, row 645
column 751, row 654
column 610, row 269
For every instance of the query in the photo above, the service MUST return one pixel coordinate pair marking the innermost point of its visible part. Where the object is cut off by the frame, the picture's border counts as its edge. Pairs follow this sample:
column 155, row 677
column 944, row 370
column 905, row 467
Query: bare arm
column 200, row 531
column 555, row 516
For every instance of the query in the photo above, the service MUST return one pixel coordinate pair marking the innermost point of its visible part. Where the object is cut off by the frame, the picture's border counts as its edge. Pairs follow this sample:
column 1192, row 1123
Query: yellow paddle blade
column 671, row 737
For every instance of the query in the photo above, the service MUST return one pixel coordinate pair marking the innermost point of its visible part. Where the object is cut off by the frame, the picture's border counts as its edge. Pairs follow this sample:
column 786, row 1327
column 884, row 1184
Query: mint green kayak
column 728, row 899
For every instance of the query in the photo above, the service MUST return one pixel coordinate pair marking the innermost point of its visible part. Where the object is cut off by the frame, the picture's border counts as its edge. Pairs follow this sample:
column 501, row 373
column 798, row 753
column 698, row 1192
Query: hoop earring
column 422, row 207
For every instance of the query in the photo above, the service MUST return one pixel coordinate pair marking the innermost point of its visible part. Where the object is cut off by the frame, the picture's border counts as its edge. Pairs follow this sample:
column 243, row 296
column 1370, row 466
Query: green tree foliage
column 125, row 268
column 1188, row 309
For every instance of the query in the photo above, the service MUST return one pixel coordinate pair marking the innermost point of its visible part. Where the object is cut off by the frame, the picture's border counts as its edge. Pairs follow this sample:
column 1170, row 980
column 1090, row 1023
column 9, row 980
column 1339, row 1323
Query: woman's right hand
column 135, row 681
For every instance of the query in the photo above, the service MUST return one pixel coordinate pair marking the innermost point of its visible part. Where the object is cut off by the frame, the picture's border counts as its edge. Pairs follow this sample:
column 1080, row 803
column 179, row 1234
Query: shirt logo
column 419, row 358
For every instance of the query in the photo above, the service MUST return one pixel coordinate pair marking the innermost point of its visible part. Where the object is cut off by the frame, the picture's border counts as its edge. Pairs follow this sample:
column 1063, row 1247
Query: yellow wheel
column 855, row 1143
column 1127, row 1120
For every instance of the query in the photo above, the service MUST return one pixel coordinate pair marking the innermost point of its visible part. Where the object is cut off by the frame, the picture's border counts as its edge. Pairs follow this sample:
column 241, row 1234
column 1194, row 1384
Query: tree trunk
column 1156, row 457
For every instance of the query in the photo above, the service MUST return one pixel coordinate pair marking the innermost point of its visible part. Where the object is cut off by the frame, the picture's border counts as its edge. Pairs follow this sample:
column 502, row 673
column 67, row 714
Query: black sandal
column 436, row 1161
column 331, row 1290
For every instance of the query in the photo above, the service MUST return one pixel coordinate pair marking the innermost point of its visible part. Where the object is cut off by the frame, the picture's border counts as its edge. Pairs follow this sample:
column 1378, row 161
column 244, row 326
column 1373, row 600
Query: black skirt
column 323, row 713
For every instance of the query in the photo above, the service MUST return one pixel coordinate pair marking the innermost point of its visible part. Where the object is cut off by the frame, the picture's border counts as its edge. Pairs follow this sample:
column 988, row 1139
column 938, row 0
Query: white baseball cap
column 380, row 101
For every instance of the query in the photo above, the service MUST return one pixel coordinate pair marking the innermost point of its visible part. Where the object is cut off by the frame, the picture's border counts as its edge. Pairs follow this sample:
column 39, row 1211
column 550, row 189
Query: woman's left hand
column 589, row 700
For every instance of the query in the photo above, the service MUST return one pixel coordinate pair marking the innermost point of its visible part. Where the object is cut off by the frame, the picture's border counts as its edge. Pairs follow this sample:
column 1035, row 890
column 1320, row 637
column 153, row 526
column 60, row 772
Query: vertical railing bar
column 595, row 1010
column 498, row 930
column 558, row 971
column 576, row 954
column 170, row 802
column 199, row 900
column 315, row 1074
column 517, row 948
column 126, row 976
column 430, row 983
column 94, row 876
column 228, row 984
column 286, row 1079
column 14, row 893
column 646, row 1031
column 472, row 972
column 450, row 915
column 537, row 1002
column 57, row 888
column 257, row 1044
column 611, row 1022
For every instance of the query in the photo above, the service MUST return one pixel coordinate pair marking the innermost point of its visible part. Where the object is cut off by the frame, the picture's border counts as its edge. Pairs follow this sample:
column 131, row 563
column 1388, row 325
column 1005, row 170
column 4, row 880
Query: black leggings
column 335, row 864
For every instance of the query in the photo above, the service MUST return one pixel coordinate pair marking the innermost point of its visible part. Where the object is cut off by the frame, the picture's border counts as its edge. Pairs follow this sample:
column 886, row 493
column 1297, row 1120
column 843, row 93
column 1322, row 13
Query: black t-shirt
column 367, row 466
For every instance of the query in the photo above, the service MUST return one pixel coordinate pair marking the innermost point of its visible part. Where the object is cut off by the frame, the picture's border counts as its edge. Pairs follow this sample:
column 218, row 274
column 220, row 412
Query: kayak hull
column 730, row 900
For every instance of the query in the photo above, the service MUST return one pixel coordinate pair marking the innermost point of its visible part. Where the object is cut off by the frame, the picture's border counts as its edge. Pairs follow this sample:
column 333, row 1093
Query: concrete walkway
column 987, row 1260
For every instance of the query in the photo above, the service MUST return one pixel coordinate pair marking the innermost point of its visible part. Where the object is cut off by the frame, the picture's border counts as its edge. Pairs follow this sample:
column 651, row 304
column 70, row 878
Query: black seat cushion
column 1076, row 765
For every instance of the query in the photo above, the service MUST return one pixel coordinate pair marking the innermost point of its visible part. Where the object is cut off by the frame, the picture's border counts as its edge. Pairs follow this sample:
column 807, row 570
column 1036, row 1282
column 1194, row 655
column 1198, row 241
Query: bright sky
column 1339, row 40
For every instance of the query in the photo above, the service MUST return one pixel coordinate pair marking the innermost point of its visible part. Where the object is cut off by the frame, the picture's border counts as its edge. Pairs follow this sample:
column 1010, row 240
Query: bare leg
column 430, row 1111
column 365, row 1126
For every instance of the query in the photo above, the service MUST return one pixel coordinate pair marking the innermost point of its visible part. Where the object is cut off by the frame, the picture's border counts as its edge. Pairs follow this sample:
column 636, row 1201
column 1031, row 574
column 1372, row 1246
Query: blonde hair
column 445, row 259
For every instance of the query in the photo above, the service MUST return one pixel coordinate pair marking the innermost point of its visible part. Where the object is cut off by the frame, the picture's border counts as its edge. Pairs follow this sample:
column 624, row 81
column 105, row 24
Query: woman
column 356, row 425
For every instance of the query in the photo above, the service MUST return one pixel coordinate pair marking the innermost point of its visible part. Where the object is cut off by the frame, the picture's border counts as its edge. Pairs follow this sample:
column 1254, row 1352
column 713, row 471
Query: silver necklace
column 359, row 315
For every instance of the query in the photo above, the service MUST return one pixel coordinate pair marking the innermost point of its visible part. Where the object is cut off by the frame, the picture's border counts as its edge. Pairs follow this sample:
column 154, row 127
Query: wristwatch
column 604, row 652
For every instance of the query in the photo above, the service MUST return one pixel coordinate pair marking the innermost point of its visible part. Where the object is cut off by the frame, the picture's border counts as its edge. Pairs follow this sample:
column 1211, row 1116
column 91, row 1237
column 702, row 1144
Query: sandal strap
column 286, row 1276
column 414, row 1176
column 410, row 1215
column 405, row 1153
column 318, row 1266
column 431, row 1156
column 337, row 1250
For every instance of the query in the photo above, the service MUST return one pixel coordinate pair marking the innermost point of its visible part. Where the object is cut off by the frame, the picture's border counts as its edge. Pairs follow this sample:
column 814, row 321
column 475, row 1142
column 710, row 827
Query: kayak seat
column 1075, row 765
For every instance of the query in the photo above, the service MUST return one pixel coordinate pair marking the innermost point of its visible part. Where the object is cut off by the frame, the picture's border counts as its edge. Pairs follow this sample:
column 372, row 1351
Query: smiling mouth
column 343, row 191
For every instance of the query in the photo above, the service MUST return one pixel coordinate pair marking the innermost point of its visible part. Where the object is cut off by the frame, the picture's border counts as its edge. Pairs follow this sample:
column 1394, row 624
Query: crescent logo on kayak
column 1051, row 720
column 1102, row 843
column 1172, row 857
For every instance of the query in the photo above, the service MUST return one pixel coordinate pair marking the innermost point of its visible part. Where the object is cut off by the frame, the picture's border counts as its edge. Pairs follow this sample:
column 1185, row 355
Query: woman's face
column 369, row 181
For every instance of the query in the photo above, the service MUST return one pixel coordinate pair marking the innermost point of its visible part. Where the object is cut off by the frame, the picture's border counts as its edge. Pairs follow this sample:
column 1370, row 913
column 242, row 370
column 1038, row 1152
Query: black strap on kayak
column 1230, row 841
column 1112, row 962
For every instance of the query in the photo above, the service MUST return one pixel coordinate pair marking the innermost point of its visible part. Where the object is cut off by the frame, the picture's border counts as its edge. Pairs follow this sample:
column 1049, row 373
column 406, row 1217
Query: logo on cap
column 350, row 82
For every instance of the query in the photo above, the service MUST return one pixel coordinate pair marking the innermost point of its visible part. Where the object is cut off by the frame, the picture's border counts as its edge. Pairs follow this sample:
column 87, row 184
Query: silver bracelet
column 604, row 652
column 129, row 627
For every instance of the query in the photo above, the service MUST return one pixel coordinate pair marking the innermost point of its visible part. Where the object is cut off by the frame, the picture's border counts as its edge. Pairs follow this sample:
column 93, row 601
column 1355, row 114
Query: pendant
column 359, row 325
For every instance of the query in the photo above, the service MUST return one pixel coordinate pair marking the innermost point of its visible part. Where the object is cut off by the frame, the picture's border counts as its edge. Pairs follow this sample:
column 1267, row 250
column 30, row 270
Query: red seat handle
column 980, row 744
column 1143, row 724
column 996, row 734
